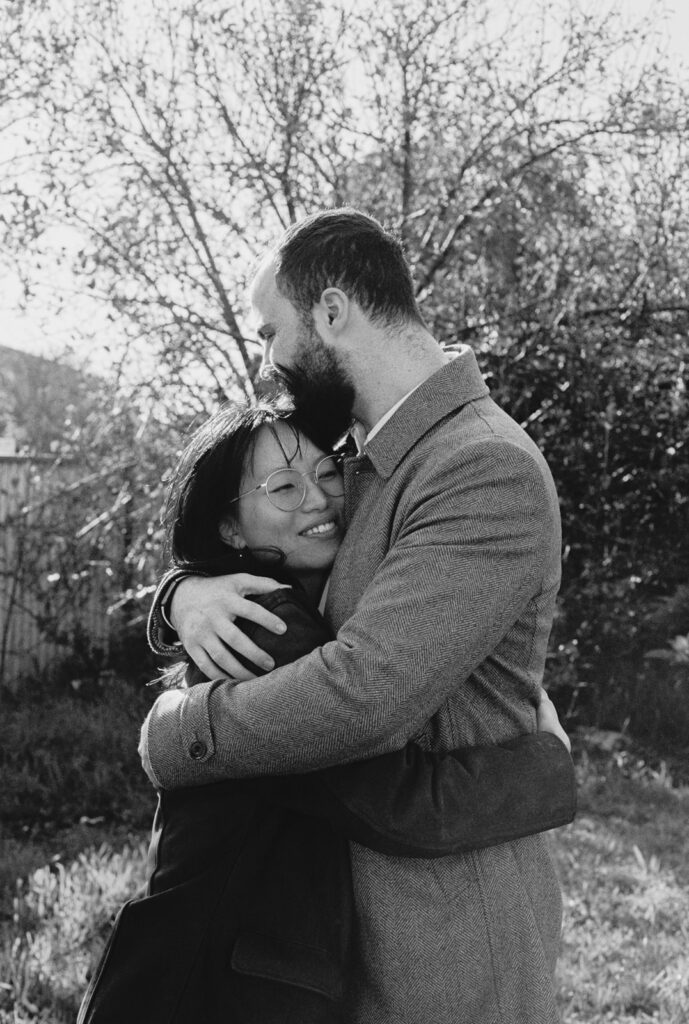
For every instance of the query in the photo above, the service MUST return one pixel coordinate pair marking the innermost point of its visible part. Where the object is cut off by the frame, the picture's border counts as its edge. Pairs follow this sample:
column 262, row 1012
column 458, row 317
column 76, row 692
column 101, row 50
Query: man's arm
column 412, row 802
column 466, row 564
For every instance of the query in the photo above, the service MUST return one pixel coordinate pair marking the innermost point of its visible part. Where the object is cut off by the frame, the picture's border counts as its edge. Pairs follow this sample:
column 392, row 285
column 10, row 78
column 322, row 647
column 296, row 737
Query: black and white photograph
column 344, row 512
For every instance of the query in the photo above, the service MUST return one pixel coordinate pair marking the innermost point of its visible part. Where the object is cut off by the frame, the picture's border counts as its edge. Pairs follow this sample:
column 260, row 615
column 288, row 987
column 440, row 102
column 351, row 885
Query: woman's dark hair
column 346, row 249
column 207, row 479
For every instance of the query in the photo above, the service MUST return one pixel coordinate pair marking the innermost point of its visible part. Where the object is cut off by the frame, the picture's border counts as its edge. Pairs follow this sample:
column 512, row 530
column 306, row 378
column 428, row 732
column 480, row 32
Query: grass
column 624, row 865
column 62, row 758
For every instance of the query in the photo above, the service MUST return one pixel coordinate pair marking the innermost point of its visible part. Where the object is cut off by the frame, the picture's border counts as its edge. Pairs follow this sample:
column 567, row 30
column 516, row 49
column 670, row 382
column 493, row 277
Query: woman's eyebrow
column 287, row 464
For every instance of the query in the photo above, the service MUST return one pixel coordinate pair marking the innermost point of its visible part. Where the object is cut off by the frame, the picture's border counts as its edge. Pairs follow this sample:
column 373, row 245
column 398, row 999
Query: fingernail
column 268, row 664
column 282, row 628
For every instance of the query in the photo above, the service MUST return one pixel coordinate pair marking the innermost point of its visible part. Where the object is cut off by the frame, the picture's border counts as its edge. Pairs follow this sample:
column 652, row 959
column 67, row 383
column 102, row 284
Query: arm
column 413, row 803
column 467, row 562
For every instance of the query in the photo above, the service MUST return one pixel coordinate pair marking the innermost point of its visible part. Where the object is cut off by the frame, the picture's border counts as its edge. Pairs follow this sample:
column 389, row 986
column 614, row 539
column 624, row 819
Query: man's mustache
column 281, row 375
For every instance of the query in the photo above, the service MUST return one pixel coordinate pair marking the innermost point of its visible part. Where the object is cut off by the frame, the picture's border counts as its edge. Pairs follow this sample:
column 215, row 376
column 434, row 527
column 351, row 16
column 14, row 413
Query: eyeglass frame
column 289, row 469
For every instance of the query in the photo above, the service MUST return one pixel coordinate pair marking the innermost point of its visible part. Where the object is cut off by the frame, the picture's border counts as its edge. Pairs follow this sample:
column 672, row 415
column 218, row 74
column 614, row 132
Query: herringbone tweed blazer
column 442, row 597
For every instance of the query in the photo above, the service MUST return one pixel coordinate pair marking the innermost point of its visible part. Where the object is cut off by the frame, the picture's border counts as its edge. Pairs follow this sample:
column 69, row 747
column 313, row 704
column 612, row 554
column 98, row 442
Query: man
column 442, row 598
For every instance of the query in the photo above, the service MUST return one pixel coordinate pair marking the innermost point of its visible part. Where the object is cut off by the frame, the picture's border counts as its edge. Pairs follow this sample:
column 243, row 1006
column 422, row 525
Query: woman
column 248, row 912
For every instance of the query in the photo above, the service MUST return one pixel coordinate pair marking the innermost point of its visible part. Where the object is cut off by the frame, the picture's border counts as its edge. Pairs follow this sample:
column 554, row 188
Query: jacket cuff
column 178, row 738
column 162, row 639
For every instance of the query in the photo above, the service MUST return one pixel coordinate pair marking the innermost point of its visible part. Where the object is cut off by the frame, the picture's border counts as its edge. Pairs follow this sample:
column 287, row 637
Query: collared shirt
column 361, row 438
column 357, row 430
column 389, row 414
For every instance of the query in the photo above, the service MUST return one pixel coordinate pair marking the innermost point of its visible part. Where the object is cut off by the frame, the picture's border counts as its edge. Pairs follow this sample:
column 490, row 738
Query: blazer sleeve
column 410, row 802
column 469, row 557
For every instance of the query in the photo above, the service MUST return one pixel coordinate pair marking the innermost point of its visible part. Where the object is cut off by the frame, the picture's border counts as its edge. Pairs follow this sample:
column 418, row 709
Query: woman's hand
column 548, row 720
column 203, row 610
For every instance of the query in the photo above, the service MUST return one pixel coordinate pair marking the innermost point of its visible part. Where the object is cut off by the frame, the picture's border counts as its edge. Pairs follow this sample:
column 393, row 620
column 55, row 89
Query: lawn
column 624, row 865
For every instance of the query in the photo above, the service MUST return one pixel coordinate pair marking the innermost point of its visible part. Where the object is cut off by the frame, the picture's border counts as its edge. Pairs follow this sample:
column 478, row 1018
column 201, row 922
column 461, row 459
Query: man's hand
column 203, row 611
column 548, row 720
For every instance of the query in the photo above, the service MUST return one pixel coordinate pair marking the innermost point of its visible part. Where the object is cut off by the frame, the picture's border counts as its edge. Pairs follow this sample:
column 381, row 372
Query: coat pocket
column 294, row 963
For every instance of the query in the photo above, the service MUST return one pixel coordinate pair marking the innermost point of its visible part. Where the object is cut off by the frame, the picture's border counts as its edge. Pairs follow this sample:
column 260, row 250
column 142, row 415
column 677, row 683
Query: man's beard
column 320, row 389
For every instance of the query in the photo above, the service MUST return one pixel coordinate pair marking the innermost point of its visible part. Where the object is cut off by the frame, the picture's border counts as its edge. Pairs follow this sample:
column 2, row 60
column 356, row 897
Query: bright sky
column 33, row 333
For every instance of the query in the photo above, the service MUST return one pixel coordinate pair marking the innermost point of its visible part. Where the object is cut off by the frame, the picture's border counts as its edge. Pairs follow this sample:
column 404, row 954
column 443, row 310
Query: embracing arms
column 455, row 596
column 415, row 803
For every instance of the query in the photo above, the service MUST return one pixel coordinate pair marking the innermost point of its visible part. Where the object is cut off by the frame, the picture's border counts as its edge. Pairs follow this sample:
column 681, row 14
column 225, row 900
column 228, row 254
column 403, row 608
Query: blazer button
column 198, row 749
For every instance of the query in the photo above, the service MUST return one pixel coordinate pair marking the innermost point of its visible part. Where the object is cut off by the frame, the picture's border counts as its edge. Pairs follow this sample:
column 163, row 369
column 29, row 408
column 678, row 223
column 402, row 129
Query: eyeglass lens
column 286, row 488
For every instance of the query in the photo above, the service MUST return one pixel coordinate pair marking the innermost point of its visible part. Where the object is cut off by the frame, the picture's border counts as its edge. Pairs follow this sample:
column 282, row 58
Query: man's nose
column 266, row 370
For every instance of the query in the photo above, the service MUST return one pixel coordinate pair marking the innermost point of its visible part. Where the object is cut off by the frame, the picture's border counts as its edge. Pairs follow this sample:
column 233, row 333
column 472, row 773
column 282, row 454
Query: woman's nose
column 315, row 498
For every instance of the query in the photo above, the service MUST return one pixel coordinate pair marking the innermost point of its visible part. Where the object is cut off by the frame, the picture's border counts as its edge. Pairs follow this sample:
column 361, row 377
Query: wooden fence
column 47, row 608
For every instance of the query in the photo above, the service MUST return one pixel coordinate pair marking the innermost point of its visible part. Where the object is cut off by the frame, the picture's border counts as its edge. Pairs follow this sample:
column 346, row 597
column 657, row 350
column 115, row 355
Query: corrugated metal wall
column 25, row 566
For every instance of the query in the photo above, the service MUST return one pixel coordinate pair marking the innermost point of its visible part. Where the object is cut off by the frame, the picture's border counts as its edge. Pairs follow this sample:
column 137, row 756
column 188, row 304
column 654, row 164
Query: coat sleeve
column 162, row 639
column 411, row 802
column 469, row 556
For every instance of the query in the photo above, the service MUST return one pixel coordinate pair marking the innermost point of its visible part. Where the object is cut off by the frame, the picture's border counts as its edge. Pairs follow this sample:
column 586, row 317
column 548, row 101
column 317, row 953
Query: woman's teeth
column 314, row 531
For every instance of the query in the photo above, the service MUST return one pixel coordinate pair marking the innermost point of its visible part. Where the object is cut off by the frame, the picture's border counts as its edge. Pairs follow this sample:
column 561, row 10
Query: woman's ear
column 230, row 533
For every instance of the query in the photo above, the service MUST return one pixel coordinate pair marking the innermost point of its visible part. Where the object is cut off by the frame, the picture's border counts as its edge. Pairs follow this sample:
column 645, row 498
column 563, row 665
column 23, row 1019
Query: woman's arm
column 411, row 802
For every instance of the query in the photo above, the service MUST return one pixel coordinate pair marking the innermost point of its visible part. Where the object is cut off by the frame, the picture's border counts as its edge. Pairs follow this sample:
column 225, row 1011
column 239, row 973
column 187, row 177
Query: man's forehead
column 263, row 291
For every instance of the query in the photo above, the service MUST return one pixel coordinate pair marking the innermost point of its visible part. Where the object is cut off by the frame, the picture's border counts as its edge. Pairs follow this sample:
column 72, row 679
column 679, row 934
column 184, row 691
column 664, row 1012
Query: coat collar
column 448, row 389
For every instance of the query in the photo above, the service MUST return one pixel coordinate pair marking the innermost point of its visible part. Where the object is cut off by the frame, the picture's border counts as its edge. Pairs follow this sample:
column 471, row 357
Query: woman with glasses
column 248, row 909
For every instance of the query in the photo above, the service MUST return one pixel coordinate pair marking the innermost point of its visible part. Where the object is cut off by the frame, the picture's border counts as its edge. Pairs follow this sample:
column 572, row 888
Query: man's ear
column 230, row 533
column 331, row 312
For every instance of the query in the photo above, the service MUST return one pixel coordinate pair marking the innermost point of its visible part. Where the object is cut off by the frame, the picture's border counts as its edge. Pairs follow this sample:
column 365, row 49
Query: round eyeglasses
column 286, row 488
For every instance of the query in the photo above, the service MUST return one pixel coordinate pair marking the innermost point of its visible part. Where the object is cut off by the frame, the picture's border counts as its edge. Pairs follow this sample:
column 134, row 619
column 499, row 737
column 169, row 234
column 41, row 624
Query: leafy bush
column 607, row 405
column 62, row 917
column 64, row 758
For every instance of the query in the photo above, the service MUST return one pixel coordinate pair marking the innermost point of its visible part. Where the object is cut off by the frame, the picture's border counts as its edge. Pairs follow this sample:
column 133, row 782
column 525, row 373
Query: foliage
column 533, row 159
column 62, row 916
column 67, row 757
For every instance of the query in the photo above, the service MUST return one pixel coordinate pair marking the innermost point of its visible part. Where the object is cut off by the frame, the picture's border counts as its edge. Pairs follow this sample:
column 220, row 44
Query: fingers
column 252, row 611
column 548, row 720
column 223, row 597
column 227, row 638
column 255, row 584
column 221, row 665
column 204, row 611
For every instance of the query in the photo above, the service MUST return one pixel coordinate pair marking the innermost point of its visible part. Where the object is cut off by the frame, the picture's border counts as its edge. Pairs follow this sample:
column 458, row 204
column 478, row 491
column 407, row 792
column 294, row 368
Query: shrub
column 64, row 758
column 62, row 917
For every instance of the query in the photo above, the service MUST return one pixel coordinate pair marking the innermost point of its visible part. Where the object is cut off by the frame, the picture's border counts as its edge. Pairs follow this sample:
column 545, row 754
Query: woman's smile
column 322, row 529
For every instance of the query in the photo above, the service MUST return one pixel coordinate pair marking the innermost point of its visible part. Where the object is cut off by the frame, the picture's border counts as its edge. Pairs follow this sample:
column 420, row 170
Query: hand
column 548, row 721
column 203, row 611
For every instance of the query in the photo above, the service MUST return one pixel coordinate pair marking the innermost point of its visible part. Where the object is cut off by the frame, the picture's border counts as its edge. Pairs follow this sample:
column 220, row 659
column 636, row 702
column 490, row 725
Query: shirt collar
column 388, row 415
column 357, row 430
column 448, row 389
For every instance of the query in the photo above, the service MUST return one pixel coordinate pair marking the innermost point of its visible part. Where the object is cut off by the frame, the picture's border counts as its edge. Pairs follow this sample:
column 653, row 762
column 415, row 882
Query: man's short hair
column 346, row 249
